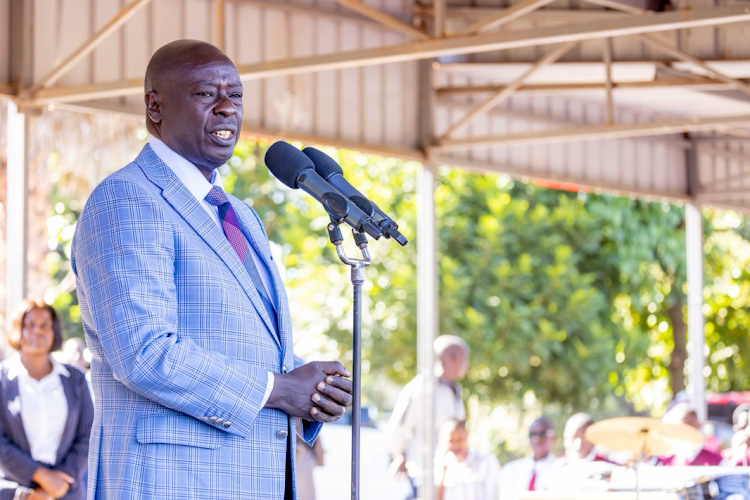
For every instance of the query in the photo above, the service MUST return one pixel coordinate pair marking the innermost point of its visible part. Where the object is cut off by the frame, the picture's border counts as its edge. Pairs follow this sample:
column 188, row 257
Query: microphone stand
column 358, row 278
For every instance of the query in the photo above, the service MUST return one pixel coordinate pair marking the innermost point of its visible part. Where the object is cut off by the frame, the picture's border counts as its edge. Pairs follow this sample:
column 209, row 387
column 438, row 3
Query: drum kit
column 648, row 439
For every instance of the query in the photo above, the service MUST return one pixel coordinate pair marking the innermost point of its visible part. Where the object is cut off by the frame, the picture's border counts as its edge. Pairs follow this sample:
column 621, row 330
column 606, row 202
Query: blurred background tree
column 569, row 299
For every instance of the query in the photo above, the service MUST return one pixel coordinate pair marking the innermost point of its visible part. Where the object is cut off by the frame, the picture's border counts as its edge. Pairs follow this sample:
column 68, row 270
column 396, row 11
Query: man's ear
column 153, row 106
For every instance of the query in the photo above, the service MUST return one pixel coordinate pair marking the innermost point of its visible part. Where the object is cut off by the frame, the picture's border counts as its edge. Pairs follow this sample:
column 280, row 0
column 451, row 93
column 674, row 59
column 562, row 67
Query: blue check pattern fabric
column 233, row 231
column 182, row 344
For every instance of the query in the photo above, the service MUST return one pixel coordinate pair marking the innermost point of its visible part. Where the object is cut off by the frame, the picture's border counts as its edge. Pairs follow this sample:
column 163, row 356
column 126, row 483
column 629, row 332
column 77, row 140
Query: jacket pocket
column 178, row 429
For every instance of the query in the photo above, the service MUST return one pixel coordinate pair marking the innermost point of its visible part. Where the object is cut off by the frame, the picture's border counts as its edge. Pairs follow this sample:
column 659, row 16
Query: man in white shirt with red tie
column 530, row 473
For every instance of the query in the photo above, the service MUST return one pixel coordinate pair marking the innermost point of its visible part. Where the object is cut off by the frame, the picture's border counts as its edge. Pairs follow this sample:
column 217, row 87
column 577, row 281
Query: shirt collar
column 16, row 368
column 188, row 173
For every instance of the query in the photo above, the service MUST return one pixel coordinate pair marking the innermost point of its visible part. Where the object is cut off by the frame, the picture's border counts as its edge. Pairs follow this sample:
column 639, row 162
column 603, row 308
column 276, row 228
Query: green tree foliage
column 574, row 297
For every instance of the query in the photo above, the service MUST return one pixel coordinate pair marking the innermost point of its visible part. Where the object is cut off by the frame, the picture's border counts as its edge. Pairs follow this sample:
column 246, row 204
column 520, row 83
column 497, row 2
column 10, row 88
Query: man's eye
column 237, row 95
column 204, row 94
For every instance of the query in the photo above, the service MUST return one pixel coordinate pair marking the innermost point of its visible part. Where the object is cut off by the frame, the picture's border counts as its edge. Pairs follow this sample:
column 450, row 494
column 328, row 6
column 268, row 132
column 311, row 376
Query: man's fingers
column 67, row 478
column 344, row 384
column 328, row 406
column 337, row 395
column 322, row 416
column 334, row 368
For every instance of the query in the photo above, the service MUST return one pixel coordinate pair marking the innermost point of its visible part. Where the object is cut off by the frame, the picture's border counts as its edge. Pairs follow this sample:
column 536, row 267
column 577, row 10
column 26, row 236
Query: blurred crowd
column 47, row 414
column 462, row 473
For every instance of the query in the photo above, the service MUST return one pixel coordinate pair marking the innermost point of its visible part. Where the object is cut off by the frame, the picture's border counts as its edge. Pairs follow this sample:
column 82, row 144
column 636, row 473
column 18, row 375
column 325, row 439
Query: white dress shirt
column 515, row 476
column 199, row 187
column 407, row 422
column 44, row 409
column 476, row 478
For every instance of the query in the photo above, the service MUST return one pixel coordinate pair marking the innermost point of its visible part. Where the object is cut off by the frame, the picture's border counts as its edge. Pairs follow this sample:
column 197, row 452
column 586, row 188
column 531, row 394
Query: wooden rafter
column 609, row 108
column 596, row 132
column 511, row 13
column 384, row 19
column 504, row 94
column 88, row 46
column 702, row 84
column 677, row 53
column 220, row 30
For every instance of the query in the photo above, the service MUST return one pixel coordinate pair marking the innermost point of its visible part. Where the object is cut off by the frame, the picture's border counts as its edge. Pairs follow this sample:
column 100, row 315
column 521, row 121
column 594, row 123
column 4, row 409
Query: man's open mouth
column 224, row 134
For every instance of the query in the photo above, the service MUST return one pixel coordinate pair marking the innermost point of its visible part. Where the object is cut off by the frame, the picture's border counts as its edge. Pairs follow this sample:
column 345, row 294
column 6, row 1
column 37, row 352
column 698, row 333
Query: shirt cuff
column 269, row 388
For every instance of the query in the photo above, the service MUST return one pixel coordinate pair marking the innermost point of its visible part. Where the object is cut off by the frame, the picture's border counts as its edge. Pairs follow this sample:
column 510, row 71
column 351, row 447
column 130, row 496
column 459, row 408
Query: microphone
column 296, row 170
column 329, row 170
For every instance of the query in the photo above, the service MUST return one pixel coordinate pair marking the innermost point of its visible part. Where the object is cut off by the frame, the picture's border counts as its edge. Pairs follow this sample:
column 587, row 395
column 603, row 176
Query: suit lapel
column 185, row 204
column 254, row 233
column 72, row 421
column 13, row 412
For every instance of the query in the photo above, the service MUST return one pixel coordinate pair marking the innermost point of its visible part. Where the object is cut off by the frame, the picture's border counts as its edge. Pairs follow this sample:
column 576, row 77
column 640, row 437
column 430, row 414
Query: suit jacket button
column 219, row 421
column 212, row 420
column 227, row 425
column 282, row 434
column 283, row 369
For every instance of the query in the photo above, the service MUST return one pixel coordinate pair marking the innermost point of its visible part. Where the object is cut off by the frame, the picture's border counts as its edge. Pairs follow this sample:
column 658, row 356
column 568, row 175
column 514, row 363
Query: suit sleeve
column 124, row 261
column 17, row 464
column 74, row 463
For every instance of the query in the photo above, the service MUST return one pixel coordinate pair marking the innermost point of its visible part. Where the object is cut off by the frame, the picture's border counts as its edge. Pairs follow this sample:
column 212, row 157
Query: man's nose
column 224, row 107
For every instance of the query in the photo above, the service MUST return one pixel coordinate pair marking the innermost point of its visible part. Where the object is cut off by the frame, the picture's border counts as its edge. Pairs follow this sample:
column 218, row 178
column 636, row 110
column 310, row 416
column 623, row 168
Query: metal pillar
column 427, row 324
column 16, row 210
column 695, row 327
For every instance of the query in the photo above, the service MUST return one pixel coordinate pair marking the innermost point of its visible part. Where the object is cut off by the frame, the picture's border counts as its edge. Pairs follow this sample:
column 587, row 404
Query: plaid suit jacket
column 180, row 339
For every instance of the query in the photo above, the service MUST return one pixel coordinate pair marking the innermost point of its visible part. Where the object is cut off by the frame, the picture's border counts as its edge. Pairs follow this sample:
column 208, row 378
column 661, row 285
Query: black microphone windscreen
column 286, row 162
column 325, row 166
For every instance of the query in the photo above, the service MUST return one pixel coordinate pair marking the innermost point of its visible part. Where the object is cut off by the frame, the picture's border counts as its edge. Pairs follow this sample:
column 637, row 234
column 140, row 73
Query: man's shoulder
column 129, row 174
column 516, row 464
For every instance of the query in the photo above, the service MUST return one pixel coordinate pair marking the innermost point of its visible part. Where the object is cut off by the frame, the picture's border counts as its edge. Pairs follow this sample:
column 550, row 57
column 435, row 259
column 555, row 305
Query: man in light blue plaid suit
column 197, row 391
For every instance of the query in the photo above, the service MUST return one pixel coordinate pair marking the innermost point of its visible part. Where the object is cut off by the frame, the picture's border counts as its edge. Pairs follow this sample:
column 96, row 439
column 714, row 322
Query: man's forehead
column 540, row 425
column 207, row 72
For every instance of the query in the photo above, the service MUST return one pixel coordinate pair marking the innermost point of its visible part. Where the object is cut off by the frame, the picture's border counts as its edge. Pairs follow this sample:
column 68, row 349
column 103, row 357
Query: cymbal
column 641, row 434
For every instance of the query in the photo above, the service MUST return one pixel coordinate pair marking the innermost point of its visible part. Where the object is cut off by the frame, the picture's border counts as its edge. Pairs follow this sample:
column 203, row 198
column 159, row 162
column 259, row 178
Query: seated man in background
column 533, row 472
column 461, row 473
column 577, row 447
column 682, row 413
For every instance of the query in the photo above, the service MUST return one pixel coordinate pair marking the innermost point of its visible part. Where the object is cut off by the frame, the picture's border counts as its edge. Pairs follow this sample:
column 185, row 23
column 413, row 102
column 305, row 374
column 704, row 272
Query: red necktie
column 532, row 483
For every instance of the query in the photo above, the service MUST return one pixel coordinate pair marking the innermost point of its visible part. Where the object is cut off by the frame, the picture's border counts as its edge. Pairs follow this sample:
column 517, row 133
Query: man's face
column 541, row 438
column 201, row 113
column 458, row 443
column 454, row 364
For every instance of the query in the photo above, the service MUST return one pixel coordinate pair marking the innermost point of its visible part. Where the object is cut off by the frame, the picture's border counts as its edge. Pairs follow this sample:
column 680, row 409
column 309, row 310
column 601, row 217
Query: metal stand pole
column 358, row 279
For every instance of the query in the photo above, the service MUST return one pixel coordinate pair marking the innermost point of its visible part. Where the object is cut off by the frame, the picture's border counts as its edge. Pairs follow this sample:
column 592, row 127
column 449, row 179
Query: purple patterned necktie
column 231, row 226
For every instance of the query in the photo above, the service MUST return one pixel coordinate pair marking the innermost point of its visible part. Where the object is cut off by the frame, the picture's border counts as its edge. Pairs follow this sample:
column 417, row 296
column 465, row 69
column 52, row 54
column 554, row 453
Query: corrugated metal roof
column 378, row 105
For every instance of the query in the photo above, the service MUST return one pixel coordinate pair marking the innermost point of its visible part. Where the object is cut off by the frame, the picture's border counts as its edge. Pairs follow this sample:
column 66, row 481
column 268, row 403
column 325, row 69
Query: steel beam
column 677, row 53
column 609, row 108
column 487, row 42
column 508, row 91
column 507, row 15
column 219, row 15
column 411, row 51
column 702, row 84
column 87, row 47
column 427, row 317
column 596, row 132
column 384, row 19
column 16, row 234
column 525, row 174
column 696, row 322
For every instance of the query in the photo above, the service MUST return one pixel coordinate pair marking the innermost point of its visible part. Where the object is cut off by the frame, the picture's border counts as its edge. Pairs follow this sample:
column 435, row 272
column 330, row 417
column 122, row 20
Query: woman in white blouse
column 46, row 412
